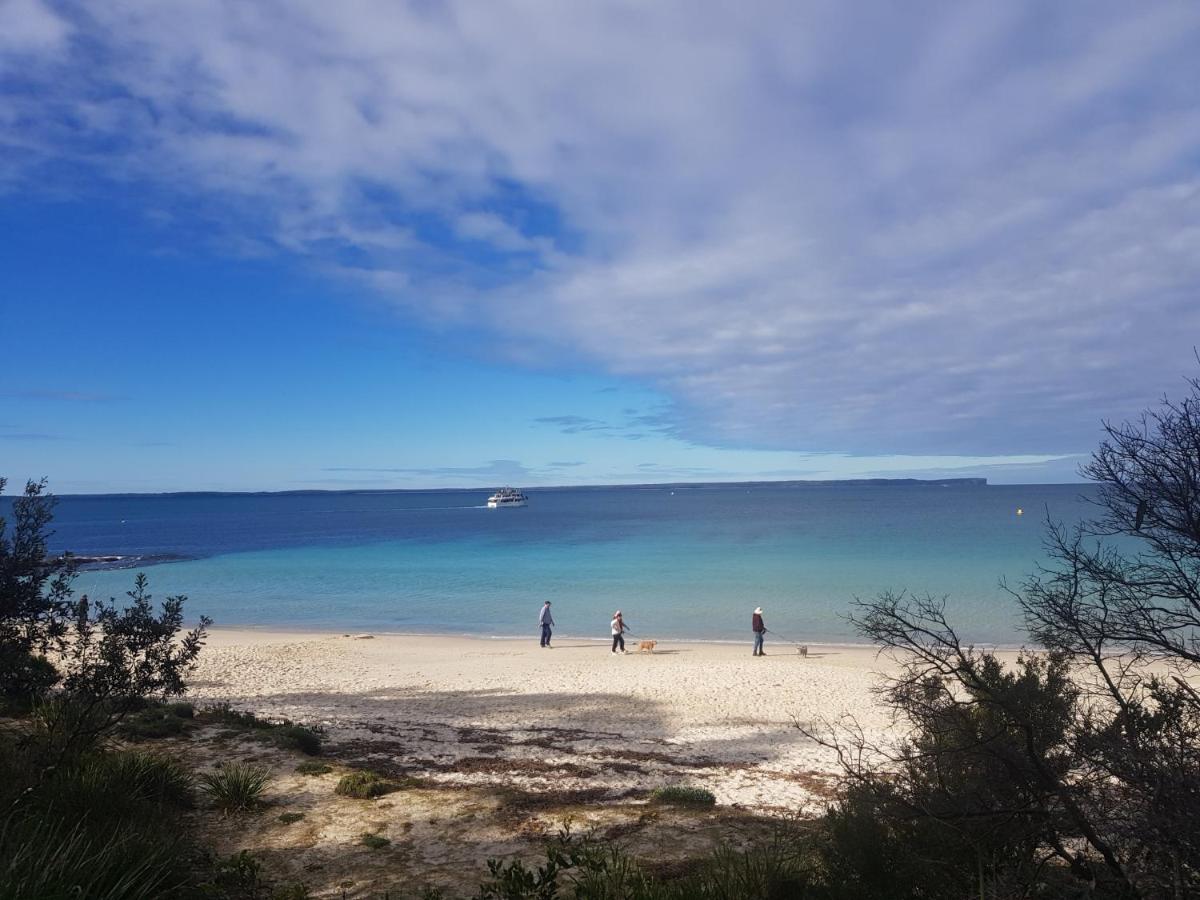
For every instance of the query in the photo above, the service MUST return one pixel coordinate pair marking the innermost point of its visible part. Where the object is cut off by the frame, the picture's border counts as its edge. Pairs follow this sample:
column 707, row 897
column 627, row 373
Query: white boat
column 506, row 496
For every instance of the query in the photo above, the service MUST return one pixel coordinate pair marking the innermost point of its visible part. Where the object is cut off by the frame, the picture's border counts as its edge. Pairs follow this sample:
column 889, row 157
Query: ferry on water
column 506, row 496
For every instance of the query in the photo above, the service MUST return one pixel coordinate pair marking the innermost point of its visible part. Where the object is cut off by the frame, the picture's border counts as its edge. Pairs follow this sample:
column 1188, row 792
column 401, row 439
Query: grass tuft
column 236, row 787
column 683, row 795
column 296, row 737
column 374, row 841
column 286, row 734
column 313, row 768
column 365, row 785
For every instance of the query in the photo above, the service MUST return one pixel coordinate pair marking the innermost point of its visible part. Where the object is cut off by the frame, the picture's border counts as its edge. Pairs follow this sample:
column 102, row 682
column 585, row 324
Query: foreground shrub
column 25, row 680
column 683, row 795
column 104, row 826
column 582, row 867
column 236, row 787
column 81, row 665
column 365, row 785
column 139, row 777
column 63, row 729
column 41, row 858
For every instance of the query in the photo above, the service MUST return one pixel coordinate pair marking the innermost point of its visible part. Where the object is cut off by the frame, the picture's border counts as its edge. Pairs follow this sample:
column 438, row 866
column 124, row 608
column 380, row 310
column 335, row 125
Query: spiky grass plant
column 236, row 787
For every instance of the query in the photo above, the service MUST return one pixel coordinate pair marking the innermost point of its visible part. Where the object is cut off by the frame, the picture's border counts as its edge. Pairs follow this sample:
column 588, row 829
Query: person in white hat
column 618, row 632
column 760, row 629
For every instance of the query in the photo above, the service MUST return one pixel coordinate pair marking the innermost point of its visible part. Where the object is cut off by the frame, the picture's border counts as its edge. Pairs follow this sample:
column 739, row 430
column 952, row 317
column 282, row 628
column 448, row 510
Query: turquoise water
column 681, row 562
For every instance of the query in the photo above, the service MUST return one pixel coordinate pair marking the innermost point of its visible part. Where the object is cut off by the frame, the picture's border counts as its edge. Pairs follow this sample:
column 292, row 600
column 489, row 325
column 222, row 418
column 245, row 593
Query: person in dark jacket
column 760, row 629
column 547, row 622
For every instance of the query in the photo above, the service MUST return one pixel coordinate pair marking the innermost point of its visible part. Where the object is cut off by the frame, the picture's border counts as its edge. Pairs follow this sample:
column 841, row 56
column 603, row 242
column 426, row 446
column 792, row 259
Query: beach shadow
column 584, row 737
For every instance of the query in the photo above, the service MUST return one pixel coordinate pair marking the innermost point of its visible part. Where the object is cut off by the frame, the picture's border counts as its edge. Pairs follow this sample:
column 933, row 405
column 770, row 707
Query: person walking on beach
column 760, row 629
column 618, row 632
column 547, row 622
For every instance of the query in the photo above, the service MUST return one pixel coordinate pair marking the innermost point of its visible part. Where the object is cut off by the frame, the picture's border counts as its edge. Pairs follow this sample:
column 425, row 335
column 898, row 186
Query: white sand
column 507, row 712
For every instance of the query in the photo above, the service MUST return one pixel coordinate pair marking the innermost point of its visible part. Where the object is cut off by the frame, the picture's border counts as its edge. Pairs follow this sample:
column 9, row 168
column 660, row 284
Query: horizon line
column 980, row 481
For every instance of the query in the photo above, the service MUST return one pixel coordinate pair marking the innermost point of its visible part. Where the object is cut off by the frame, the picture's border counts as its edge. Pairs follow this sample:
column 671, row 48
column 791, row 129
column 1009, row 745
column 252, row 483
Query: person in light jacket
column 547, row 622
column 760, row 629
column 618, row 632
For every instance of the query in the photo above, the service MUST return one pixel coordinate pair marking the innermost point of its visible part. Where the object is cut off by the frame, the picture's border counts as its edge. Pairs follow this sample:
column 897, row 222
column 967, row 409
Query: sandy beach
column 503, row 711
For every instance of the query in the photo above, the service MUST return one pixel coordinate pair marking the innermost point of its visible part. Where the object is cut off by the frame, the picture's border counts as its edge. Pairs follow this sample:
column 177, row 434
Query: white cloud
column 970, row 229
column 30, row 26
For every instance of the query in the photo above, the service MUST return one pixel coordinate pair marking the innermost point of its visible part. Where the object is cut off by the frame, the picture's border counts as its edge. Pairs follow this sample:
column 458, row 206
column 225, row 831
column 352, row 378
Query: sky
column 289, row 245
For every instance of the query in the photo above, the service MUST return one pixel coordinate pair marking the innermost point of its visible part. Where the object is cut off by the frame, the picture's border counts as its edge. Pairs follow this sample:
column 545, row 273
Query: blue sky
column 288, row 245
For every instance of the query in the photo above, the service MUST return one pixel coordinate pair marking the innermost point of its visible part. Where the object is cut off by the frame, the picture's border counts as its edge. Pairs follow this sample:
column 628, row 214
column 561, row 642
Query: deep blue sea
column 682, row 562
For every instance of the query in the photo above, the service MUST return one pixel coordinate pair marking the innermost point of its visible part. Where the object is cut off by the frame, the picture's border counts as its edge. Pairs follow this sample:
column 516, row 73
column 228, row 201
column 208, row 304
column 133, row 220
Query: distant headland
column 648, row 486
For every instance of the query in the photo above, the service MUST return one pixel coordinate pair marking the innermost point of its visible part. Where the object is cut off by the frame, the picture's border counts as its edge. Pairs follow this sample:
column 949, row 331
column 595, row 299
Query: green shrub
column 296, row 737
column 155, row 721
column 52, row 858
column 146, row 777
column 236, row 787
column 182, row 710
column 365, row 785
column 374, row 841
column 25, row 680
column 63, row 729
column 582, row 867
column 224, row 714
column 682, row 795
column 313, row 768
column 235, row 876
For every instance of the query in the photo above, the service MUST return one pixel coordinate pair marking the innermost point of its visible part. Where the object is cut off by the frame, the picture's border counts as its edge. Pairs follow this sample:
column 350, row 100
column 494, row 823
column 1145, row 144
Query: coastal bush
column 238, row 875
column 52, row 857
column 296, row 737
column 156, row 721
column 25, row 680
column 683, row 795
column 132, row 777
column 583, row 867
column 102, row 825
column 103, row 656
column 1073, row 771
column 236, row 787
column 182, row 710
column 365, row 785
column 286, row 735
column 373, row 841
column 313, row 768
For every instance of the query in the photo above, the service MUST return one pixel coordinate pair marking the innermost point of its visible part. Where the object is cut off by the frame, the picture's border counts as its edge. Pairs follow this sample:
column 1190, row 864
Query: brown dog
column 646, row 646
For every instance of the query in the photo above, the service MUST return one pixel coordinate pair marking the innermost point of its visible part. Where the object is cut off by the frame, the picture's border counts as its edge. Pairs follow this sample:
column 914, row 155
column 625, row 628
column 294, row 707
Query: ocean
column 680, row 562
